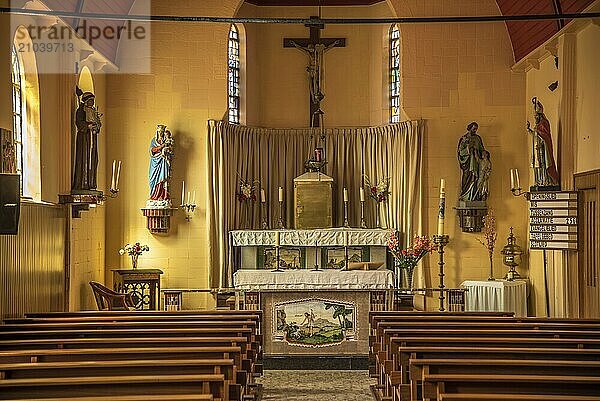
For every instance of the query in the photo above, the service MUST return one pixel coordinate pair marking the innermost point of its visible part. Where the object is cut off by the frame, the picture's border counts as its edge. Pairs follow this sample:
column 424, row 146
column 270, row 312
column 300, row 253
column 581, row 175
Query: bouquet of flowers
column 134, row 251
column 380, row 191
column 247, row 192
column 408, row 258
column 490, row 235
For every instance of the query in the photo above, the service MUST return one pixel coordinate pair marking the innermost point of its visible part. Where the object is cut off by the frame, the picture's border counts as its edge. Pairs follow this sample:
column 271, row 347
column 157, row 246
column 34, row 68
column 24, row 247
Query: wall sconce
column 189, row 206
column 515, row 184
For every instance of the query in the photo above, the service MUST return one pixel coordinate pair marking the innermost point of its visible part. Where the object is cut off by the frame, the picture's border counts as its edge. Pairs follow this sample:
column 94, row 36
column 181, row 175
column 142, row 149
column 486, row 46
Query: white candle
column 182, row 193
column 189, row 198
column 280, row 194
column 442, row 207
column 512, row 179
column 346, row 238
column 517, row 178
column 345, row 194
column 194, row 198
column 362, row 194
column 263, row 196
column 277, row 238
column 112, row 179
column 118, row 175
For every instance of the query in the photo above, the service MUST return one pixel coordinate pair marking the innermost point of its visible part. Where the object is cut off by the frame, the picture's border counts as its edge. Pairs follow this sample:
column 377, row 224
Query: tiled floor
column 316, row 385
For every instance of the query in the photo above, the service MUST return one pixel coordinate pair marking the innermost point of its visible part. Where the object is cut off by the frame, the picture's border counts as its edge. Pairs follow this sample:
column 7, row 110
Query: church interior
column 299, row 200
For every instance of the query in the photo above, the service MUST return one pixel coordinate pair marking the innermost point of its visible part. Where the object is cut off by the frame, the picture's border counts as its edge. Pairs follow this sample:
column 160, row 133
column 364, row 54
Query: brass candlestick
column 441, row 241
column 264, row 224
column 280, row 224
column 316, row 267
column 363, row 223
column 346, row 223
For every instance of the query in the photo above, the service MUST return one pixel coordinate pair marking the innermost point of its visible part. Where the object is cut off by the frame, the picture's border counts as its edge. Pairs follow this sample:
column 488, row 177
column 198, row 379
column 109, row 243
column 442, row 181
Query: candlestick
column 118, row 176
column 362, row 194
column 277, row 238
column 363, row 223
column 277, row 258
column 280, row 224
column 182, row 193
column 112, row 177
column 265, row 223
column 280, row 194
column 263, row 196
column 316, row 267
column 442, row 207
column 346, row 223
column 441, row 241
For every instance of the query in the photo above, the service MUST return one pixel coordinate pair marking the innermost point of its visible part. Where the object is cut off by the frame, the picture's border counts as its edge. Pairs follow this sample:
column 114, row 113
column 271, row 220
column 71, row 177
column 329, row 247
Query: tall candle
column 118, row 175
column 194, row 198
column 346, row 238
column 280, row 194
column 345, row 194
column 442, row 207
column 189, row 198
column 517, row 178
column 512, row 179
column 182, row 193
column 263, row 196
column 112, row 179
column 362, row 194
column 277, row 238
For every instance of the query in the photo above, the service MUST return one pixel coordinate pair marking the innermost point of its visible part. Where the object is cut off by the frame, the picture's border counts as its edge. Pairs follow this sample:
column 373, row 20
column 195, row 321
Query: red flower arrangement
column 247, row 191
column 380, row 191
column 409, row 257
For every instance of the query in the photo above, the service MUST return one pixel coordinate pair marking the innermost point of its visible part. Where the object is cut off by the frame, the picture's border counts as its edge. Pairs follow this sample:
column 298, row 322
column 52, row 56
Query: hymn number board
column 553, row 220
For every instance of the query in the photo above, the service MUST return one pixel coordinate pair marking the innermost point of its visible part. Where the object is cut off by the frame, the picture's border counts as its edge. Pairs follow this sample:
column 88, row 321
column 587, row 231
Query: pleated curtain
column 273, row 157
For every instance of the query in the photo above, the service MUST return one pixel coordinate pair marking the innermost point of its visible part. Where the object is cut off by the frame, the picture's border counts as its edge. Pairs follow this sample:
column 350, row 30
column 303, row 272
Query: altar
column 316, row 313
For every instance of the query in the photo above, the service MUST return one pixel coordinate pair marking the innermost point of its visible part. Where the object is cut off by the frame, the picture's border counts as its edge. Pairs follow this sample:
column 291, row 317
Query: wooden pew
column 419, row 368
column 113, row 397
column 13, row 389
column 514, row 397
column 510, row 384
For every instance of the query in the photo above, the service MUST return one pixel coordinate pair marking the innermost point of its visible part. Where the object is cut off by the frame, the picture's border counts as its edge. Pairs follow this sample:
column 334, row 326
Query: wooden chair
column 107, row 299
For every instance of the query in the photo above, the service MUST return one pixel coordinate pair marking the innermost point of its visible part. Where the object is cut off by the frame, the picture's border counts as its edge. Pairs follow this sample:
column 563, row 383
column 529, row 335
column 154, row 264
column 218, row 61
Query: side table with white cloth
column 496, row 296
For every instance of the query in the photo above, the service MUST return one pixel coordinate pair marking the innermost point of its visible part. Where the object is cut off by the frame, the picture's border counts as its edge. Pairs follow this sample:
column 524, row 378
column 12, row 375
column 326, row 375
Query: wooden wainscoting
column 32, row 263
column 588, row 185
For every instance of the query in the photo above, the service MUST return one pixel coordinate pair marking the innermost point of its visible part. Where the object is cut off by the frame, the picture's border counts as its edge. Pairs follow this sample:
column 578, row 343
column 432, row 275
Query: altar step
column 316, row 362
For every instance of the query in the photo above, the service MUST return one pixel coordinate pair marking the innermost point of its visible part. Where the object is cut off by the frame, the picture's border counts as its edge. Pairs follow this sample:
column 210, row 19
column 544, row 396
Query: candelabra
column 264, row 223
column 280, row 224
column 346, row 223
column 363, row 222
column 519, row 192
column 441, row 241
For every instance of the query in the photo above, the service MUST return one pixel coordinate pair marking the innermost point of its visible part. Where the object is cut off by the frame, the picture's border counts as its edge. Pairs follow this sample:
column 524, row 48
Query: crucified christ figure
column 315, row 66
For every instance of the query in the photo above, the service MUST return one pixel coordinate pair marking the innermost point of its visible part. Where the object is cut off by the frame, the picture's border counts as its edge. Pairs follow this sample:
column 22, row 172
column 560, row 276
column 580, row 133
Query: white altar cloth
column 308, row 280
column 496, row 296
column 321, row 237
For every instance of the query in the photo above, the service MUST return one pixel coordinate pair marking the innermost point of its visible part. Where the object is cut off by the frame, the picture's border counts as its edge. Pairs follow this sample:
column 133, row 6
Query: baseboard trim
column 315, row 362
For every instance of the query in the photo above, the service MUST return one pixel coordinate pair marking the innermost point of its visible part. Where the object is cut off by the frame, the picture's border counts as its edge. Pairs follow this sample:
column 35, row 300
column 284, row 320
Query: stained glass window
column 233, row 76
column 394, row 41
column 18, row 110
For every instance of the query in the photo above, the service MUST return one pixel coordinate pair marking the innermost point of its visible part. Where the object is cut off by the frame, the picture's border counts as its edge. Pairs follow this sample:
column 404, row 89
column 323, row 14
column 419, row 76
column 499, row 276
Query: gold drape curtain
column 275, row 156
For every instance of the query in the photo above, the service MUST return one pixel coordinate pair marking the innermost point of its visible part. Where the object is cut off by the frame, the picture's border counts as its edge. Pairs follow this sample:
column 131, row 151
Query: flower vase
column 378, row 216
column 491, row 277
column 409, row 276
column 134, row 261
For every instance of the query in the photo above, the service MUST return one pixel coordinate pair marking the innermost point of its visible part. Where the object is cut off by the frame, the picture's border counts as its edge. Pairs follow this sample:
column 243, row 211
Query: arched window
column 18, row 111
column 26, row 114
column 394, row 69
column 233, row 75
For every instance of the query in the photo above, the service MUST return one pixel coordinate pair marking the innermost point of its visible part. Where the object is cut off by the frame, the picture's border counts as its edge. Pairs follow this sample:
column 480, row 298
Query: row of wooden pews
column 131, row 355
column 483, row 356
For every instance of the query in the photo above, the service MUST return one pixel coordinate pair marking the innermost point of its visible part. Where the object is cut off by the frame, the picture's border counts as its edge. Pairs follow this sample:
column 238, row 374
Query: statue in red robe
column 544, row 166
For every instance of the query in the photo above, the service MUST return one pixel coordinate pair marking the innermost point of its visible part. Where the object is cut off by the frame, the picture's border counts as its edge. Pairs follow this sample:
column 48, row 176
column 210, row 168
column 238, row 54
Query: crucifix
column 315, row 47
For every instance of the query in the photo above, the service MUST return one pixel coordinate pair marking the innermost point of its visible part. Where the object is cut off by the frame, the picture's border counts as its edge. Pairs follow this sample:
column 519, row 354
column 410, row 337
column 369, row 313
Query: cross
column 314, row 47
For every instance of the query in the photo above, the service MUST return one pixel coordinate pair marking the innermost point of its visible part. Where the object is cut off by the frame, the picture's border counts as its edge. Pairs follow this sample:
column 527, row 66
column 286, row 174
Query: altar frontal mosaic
column 314, row 322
